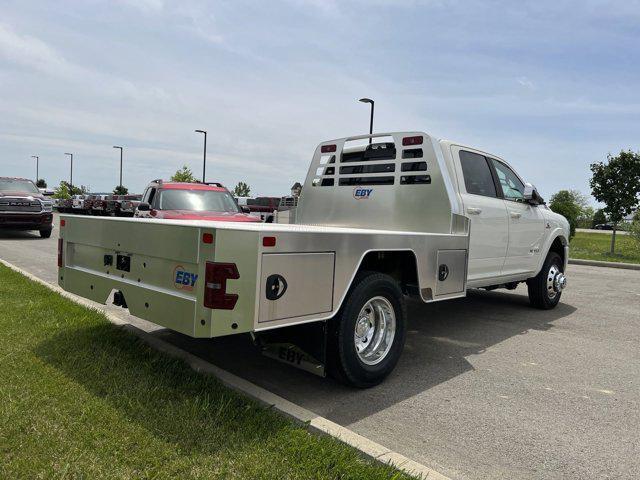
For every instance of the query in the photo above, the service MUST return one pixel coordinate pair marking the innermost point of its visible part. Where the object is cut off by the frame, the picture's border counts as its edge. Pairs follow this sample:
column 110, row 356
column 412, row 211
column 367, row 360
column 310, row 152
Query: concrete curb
column 597, row 263
column 313, row 422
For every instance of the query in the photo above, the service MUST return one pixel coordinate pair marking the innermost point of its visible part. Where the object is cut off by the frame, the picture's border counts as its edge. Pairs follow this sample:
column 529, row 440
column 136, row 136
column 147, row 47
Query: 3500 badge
column 184, row 280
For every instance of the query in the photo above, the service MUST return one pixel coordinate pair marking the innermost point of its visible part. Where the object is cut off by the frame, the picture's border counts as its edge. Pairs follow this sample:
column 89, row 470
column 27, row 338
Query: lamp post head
column 116, row 146
column 201, row 131
column 69, row 154
column 35, row 156
column 366, row 100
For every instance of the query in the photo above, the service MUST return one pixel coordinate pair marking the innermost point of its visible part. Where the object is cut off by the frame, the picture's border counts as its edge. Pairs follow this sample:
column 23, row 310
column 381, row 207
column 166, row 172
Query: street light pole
column 204, row 160
column 71, row 176
column 115, row 146
column 368, row 100
column 37, row 162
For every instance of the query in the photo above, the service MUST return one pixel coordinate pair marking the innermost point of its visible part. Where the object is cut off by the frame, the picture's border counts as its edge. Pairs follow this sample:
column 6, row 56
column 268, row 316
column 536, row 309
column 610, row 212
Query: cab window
column 512, row 187
column 477, row 174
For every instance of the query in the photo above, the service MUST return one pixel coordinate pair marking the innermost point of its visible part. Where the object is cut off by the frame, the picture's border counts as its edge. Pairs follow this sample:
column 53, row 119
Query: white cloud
column 29, row 51
column 525, row 82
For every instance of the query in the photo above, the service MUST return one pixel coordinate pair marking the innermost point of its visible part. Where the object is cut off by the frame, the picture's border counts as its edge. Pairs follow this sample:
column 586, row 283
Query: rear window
column 197, row 201
column 11, row 185
column 477, row 175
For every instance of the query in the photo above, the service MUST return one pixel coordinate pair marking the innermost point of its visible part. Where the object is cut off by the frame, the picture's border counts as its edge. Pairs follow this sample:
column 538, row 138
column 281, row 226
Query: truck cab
column 512, row 229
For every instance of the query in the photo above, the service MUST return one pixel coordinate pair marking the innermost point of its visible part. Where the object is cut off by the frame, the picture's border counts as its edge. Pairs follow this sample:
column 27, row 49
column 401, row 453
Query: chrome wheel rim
column 375, row 330
column 556, row 281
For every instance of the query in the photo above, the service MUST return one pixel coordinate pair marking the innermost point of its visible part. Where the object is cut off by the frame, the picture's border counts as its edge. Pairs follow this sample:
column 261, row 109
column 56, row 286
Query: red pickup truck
column 190, row 201
column 24, row 207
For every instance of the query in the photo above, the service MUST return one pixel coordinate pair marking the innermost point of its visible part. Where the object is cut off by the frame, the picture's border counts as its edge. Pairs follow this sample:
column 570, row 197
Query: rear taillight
column 60, row 252
column 412, row 140
column 215, row 286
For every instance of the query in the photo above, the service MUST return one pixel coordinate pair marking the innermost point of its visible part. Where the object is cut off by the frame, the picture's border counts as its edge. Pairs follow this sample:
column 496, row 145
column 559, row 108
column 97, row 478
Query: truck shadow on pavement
column 440, row 337
column 19, row 235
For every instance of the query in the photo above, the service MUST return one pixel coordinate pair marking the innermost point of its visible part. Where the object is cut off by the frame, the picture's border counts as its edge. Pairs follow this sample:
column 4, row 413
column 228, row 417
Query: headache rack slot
column 353, row 181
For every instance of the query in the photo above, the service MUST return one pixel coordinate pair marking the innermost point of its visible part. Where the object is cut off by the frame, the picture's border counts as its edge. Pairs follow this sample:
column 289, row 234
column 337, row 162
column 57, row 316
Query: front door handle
column 474, row 211
column 515, row 214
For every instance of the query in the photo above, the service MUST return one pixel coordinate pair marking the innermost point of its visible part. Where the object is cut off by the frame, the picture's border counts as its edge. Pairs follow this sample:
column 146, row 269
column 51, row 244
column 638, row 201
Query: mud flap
column 302, row 346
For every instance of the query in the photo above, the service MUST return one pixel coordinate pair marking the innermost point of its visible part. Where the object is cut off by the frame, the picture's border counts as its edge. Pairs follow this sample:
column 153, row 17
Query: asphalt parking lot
column 486, row 388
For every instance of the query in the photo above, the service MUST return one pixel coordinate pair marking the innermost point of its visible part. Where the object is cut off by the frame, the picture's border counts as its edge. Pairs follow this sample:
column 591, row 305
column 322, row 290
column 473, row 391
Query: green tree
column 241, row 190
column 184, row 175
column 120, row 190
column 64, row 190
column 586, row 217
column 41, row 183
column 570, row 204
column 616, row 183
column 599, row 218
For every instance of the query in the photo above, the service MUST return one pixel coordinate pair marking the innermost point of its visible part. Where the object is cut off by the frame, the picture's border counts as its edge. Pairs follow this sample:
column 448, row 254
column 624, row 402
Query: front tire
column 368, row 333
column 545, row 289
column 46, row 232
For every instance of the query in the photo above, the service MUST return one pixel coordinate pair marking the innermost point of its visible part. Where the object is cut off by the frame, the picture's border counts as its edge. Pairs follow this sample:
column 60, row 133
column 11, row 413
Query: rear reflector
column 215, row 286
column 269, row 241
column 207, row 238
column 327, row 148
column 412, row 140
column 63, row 222
column 60, row 252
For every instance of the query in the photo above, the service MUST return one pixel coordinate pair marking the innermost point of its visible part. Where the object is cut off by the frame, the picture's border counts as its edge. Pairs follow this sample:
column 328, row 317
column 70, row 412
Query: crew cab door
column 526, row 223
column 487, row 213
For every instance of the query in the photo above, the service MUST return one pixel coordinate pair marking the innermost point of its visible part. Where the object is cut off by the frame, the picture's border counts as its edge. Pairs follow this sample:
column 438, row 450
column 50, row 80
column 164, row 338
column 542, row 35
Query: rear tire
column 542, row 294
column 46, row 232
column 367, row 335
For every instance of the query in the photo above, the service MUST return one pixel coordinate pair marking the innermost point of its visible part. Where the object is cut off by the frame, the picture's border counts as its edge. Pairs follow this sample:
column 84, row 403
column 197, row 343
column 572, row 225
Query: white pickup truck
column 381, row 218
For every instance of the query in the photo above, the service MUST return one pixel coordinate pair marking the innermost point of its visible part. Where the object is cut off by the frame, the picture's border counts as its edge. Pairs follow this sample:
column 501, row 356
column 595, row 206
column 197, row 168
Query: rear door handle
column 515, row 214
column 474, row 211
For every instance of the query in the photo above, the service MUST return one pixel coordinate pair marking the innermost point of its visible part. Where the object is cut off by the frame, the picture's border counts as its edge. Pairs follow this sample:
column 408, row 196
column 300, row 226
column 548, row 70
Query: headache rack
column 400, row 181
column 373, row 164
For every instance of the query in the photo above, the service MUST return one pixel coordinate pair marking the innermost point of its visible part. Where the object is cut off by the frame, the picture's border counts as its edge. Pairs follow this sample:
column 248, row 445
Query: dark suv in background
column 24, row 207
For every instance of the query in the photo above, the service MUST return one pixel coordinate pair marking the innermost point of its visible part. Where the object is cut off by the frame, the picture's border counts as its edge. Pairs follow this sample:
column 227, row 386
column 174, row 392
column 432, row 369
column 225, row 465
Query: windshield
column 10, row 185
column 197, row 200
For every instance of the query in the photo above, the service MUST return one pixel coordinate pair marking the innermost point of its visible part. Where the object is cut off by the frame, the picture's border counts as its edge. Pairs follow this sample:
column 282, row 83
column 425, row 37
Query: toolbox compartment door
column 452, row 272
column 295, row 285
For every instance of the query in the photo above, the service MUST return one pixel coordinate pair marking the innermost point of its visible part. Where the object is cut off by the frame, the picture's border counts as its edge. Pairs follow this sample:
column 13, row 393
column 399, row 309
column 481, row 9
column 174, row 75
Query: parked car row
column 179, row 201
column 99, row 204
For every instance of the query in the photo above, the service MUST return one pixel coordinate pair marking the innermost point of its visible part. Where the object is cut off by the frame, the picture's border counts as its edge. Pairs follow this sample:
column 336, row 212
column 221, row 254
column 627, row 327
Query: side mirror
column 144, row 207
column 531, row 195
column 245, row 209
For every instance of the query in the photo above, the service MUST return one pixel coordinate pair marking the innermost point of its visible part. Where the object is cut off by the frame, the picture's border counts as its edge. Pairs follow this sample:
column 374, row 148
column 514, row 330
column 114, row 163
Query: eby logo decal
column 184, row 280
column 362, row 193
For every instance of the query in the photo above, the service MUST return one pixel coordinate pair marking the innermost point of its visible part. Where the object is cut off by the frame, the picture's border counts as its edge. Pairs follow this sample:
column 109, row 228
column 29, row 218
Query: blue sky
column 549, row 86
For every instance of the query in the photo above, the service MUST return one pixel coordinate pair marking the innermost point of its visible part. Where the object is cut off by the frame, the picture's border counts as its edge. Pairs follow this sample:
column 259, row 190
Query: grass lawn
column 596, row 246
column 81, row 398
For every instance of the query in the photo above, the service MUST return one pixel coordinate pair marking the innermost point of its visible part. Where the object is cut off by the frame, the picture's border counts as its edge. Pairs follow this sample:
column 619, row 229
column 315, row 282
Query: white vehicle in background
column 407, row 215
column 242, row 201
column 77, row 202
